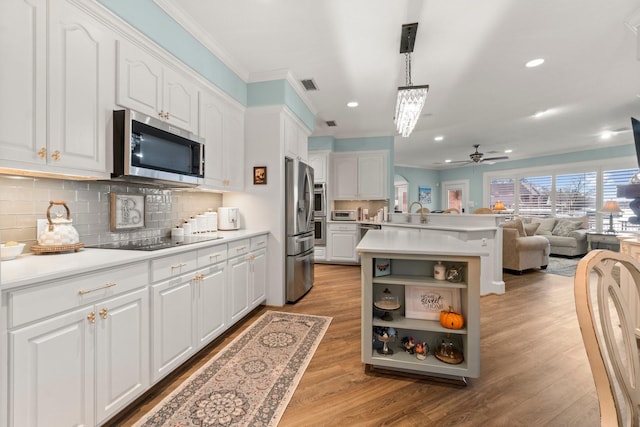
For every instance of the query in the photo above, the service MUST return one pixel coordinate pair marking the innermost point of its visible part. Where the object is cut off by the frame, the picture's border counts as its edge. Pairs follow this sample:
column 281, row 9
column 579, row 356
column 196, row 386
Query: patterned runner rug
column 250, row 382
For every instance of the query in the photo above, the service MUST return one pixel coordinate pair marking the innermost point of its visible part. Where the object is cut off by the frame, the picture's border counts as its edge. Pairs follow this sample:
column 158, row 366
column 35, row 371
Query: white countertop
column 409, row 242
column 427, row 226
column 29, row 268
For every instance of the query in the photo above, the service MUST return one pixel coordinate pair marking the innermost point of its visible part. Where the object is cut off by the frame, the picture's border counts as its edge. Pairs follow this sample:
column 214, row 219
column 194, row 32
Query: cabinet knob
column 103, row 313
column 42, row 153
column 56, row 155
column 91, row 317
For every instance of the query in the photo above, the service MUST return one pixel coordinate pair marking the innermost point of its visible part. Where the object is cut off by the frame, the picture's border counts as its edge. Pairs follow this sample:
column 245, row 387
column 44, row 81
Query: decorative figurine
column 408, row 343
column 422, row 349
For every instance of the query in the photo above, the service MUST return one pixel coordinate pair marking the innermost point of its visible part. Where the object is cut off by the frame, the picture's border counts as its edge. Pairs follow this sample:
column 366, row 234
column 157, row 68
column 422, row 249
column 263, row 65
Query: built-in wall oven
column 320, row 213
column 320, row 223
column 319, row 200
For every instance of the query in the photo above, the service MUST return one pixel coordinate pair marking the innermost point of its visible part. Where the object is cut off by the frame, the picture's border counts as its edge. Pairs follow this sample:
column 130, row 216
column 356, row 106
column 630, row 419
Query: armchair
column 521, row 251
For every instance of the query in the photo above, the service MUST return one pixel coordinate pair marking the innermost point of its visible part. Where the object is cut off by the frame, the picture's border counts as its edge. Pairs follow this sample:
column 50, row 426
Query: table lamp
column 611, row 207
column 498, row 206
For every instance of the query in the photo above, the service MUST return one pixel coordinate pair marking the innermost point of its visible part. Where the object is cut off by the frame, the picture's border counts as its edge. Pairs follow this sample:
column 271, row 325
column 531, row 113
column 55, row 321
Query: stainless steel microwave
column 149, row 150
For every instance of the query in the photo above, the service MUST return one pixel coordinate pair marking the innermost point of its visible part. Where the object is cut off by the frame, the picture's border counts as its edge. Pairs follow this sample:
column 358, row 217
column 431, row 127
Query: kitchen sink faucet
column 423, row 219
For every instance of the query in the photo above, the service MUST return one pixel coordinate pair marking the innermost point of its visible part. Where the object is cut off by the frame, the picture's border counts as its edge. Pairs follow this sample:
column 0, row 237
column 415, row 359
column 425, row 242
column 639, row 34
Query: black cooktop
column 154, row 243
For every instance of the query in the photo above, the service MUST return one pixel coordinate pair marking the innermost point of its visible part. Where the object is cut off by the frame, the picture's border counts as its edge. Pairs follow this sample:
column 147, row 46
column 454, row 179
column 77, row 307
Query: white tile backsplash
column 25, row 200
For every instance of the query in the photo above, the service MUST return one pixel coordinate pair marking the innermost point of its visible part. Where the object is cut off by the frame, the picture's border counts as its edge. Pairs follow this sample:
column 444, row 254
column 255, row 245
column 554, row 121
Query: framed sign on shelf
column 426, row 302
column 127, row 211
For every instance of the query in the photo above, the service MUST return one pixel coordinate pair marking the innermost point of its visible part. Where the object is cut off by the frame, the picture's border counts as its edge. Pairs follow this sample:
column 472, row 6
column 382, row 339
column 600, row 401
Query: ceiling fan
column 477, row 157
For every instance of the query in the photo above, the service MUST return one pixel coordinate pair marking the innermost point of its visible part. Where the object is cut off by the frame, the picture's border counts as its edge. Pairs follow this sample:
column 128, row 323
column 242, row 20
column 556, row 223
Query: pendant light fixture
column 410, row 98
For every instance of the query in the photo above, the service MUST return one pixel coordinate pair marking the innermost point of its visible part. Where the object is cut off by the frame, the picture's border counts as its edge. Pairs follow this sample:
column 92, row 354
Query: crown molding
column 173, row 9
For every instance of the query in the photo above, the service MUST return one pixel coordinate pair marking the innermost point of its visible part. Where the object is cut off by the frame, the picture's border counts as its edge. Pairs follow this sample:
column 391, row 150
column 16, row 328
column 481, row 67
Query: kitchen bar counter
column 483, row 232
column 408, row 242
column 29, row 268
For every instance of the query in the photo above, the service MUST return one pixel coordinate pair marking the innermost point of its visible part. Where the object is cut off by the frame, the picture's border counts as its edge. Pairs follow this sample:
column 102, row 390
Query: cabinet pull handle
column 241, row 248
column 91, row 317
column 42, row 153
column 213, row 257
column 182, row 264
column 87, row 291
column 56, row 155
column 103, row 313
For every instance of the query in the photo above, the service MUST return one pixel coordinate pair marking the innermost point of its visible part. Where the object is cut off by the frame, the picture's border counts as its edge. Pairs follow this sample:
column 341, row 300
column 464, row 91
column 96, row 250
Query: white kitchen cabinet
column 23, row 41
column 211, row 294
column 222, row 127
column 122, row 352
column 51, row 364
column 81, row 88
column 258, row 270
column 148, row 85
column 58, row 84
column 341, row 242
column 295, row 138
column 359, row 175
column 188, row 305
column 173, row 315
column 319, row 161
column 239, row 268
column 78, row 348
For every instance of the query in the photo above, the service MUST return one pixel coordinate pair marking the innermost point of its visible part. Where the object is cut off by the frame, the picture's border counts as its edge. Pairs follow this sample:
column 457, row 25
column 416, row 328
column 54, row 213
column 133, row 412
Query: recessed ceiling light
column 448, row 161
column 508, row 151
column 352, row 104
column 607, row 134
column 438, row 138
column 534, row 63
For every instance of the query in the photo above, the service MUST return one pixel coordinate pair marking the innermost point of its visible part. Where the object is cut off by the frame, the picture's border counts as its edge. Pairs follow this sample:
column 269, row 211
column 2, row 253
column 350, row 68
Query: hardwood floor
column 534, row 369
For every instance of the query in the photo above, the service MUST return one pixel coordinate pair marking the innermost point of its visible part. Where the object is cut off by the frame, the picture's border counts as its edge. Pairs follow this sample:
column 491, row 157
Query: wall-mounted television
column 635, row 126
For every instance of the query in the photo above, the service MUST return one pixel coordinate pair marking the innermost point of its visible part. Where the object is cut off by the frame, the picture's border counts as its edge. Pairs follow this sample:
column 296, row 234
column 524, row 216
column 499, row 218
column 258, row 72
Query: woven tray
column 456, row 358
column 39, row 249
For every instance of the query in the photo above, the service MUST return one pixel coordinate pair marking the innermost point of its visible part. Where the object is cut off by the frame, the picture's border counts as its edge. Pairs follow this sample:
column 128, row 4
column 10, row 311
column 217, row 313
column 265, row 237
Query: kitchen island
column 400, row 263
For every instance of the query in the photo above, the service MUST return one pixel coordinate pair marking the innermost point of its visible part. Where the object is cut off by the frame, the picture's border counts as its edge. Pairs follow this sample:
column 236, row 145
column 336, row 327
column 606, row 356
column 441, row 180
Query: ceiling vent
column 331, row 123
column 309, row 84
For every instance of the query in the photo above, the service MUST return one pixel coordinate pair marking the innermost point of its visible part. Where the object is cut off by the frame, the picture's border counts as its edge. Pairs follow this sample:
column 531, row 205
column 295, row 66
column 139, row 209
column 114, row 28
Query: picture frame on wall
column 126, row 211
column 426, row 302
column 424, row 195
column 259, row 175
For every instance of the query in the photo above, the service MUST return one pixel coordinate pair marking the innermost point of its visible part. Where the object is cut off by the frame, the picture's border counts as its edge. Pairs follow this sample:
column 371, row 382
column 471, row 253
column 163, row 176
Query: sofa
column 521, row 248
column 567, row 236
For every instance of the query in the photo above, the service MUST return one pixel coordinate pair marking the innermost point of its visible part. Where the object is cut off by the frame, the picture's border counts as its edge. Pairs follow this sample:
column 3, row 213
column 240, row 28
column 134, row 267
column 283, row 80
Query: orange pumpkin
column 451, row 320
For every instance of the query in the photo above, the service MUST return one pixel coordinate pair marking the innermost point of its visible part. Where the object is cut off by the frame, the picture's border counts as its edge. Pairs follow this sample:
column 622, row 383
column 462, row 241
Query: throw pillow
column 565, row 226
column 546, row 225
column 531, row 229
column 517, row 224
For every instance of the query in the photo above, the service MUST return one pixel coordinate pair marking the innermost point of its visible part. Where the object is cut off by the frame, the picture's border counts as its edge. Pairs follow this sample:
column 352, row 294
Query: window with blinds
column 566, row 195
column 535, row 196
column 575, row 194
column 503, row 190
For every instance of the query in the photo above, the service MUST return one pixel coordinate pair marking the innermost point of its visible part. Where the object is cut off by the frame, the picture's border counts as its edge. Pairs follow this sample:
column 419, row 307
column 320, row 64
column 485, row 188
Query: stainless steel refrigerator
column 300, row 228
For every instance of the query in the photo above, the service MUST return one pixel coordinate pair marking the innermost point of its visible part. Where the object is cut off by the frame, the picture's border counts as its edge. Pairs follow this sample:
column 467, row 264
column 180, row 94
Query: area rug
column 250, row 382
column 562, row 266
